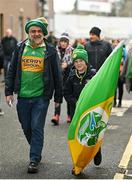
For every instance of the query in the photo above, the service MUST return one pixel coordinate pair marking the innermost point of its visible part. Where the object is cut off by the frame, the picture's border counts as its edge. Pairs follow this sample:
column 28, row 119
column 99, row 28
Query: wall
column 15, row 14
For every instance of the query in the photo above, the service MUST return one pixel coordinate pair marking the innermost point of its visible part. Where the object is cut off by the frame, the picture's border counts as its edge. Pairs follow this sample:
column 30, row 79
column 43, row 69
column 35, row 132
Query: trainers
column 68, row 119
column 119, row 104
column 33, row 167
column 98, row 158
column 1, row 112
column 55, row 120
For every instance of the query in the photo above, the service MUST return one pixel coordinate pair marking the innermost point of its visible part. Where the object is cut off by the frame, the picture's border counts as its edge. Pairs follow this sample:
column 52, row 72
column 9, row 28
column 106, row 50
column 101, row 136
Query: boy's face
column 80, row 65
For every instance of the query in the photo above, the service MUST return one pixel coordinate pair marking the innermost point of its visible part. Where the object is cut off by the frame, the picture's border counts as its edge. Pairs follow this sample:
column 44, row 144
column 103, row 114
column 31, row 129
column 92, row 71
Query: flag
column 86, row 131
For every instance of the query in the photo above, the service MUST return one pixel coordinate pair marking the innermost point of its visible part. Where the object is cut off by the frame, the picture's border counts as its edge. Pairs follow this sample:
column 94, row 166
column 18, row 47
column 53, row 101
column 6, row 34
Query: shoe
column 98, row 158
column 119, row 104
column 33, row 167
column 68, row 119
column 1, row 112
column 55, row 120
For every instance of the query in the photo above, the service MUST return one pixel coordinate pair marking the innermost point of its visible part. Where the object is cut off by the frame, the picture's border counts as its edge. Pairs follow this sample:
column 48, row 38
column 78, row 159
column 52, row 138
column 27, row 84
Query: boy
column 78, row 77
column 76, row 82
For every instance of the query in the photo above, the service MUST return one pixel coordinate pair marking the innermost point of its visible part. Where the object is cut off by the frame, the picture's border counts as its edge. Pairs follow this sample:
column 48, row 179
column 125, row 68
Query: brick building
column 15, row 13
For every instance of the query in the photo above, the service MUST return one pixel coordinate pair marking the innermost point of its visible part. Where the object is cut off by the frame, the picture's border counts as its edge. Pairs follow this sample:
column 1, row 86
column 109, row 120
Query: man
column 34, row 74
column 1, row 67
column 9, row 43
column 98, row 51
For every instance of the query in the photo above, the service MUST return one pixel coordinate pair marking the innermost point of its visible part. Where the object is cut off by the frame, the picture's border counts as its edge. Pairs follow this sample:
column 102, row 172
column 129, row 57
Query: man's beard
column 37, row 40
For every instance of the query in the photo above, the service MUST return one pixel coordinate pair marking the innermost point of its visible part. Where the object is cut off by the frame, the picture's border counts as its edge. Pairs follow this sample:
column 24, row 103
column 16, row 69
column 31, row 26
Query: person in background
column 98, row 50
column 1, row 58
column 64, row 50
column 9, row 43
column 34, row 74
column 120, row 84
column 127, row 71
column 52, row 39
column 75, row 43
column 1, row 67
column 79, row 41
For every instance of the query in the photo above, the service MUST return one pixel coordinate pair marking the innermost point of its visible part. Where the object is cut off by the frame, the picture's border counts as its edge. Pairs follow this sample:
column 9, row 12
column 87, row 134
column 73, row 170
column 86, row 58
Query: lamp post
column 47, row 10
column 21, row 24
column 42, row 2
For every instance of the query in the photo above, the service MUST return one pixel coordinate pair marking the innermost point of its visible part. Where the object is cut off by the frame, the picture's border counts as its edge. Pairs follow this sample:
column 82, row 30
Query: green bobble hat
column 44, row 20
column 80, row 53
column 40, row 22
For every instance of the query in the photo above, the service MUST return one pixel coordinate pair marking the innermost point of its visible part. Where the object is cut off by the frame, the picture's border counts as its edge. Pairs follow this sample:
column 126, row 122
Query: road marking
column 128, row 175
column 120, row 111
column 58, row 163
column 125, row 159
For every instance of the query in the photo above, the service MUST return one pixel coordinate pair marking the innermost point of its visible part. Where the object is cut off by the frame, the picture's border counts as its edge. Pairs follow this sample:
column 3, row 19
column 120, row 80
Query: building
column 15, row 13
column 79, row 26
column 99, row 7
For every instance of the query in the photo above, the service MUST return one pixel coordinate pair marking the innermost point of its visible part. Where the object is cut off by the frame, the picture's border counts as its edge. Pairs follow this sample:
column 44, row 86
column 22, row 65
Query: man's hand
column 9, row 100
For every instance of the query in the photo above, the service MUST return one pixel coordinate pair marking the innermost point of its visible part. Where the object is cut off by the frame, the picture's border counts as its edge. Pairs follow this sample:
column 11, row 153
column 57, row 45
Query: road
column 56, row 162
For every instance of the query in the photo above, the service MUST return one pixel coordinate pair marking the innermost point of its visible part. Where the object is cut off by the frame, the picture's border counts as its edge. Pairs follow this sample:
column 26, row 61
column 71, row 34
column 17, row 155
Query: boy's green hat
column 80, row 53
column 40, row 22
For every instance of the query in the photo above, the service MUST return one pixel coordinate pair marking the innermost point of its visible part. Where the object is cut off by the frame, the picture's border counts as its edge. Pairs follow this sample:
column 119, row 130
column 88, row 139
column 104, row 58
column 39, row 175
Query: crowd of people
column 41, row 67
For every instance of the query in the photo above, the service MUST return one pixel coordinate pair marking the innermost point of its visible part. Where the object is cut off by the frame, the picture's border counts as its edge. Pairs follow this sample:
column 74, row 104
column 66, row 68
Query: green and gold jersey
column 32, row 64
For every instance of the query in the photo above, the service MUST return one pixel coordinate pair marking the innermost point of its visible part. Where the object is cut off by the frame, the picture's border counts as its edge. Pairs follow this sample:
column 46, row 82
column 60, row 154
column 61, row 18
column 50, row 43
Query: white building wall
column 79, row 26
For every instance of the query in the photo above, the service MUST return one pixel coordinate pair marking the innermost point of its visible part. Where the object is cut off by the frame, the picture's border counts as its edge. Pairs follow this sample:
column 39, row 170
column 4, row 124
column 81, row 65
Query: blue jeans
column 32, row 114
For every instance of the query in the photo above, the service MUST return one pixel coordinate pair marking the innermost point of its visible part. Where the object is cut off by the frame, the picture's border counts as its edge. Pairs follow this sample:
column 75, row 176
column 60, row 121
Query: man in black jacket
column 9, row 43
column 34, row 74
column 98, row 51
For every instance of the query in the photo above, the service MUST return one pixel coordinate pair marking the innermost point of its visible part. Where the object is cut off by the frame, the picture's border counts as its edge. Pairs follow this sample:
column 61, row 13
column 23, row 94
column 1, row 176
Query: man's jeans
column 32, row 113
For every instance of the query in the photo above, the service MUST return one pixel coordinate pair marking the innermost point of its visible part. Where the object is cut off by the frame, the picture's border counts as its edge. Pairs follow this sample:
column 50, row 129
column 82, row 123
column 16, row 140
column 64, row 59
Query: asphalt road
column 56, row 162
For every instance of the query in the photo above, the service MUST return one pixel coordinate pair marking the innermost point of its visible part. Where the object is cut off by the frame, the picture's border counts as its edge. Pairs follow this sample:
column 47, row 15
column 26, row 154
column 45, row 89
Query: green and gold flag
column 86, row 131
